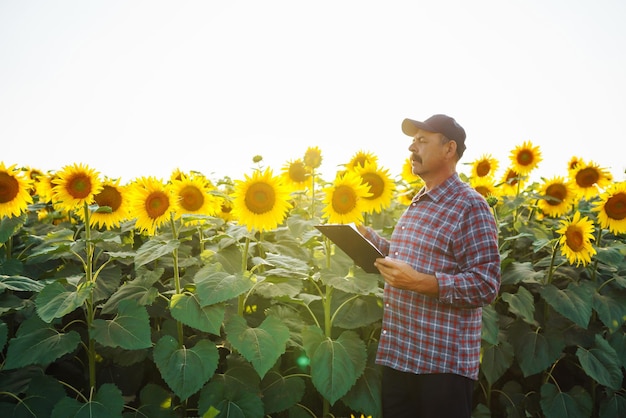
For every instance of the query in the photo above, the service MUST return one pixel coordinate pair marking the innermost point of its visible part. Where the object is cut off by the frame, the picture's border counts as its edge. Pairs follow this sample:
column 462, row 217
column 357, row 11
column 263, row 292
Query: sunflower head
column 611, row 208
column 588, row 178
column 15, row 191
column 557, row 196
column 575, row 241
column 191, row 195
column 344, row 199
column 150, row 203
column 296, row 174
column 573, row 163
column 261, row 201
column 525, row 158
column 407, row 173
column 485, row 186
column 360, row 158
column 112, row 203
column 380, row 186
column 313, row 157
column 511, row 183
column 74, row 186
column 485, row 166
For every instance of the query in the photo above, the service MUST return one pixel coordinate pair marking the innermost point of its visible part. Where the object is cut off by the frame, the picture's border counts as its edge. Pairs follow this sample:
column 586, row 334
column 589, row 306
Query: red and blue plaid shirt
column 449, row 232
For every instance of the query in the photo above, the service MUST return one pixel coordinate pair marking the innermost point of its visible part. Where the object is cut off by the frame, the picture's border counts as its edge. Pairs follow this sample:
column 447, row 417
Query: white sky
column 136, row 88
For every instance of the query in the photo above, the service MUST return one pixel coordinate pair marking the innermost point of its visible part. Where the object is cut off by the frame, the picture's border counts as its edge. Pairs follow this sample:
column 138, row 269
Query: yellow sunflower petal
column 380, row 185
column 344, row 199
column 485, row 166
column 557, row 196
column 74, row 186
column 313, row 157
column 150, row 203
column 589, row 178
column 191, row 196
column 114, row 198
column 611, row 208
column 525, row 158
column 15, row 191
column 575, row 241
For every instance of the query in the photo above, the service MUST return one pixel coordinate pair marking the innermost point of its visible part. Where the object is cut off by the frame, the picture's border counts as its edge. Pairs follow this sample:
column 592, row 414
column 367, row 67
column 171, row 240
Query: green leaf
column 574, row 303
column 335, row 364
column 129, row 329
column 272, row 287
column 55, row 301
column 362, row 284
column 534, row 351
column 496, row 360
column 4, row 334
column 19, row 284
column 217, row 286
column 611, row 309
column 9, row 226
column 365, row 395
column 518, row 272
column 521, row 304
column 576, row 403
column 154, row 402
column 241, row 404
column 617, row 340
column 490, row 329
column 38, row 343
column 140, row 289
column 107, row 403
column 185, row 370
column 280, row 392
column 358, row 312
column 42, row 393
column 263, row 345
column 601, row 363
column 154, row 249
column 186, row 308
column 613, row 406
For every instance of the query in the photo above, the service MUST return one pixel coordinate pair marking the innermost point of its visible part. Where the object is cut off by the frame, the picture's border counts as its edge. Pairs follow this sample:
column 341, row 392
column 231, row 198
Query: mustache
column 416, row 158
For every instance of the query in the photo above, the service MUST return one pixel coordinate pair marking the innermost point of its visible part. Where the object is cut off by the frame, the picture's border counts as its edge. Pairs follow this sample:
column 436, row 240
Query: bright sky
column 139, row 88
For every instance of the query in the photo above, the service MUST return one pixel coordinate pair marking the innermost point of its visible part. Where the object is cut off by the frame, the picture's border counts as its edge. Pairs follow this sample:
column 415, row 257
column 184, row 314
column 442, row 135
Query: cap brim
column 410, row 127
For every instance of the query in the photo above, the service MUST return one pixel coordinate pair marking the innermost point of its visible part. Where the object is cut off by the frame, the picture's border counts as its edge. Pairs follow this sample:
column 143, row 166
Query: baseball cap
column 441, row 124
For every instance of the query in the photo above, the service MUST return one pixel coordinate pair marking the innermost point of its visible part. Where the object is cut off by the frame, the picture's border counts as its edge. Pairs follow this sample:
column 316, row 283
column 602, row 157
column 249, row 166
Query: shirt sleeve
column 475, row 249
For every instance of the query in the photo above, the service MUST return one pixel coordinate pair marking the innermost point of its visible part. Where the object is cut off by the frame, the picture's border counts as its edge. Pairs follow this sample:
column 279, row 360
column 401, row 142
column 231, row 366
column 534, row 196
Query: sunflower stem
column 89, row 278
column 594, row 272
column 244, row 267
column 179, row 325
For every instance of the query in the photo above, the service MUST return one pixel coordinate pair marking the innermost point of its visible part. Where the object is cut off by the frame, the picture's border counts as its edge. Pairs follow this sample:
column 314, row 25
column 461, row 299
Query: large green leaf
column 154, row 402
column 55, row 301
column 521, row 304
column 239, row 404
column 574, row 303
column 154, row 249
column 42, row 393
column 534, row 351
column 37, row 342
column 107, row 403
column 272, row 287
column 4, row 334
column 617, row 340
column 601, row 363
column 496, row 359
column 365, row 395
column 140, row 289
column 218, row 286
column 186, row 308
column 281, row 392
column 9, row 226
column 19, row 284
column 129, row 329
column 611, row 308
column 518, row 272
column 357, row 311
column 263, row 345
column 613, row 406
column 362, row 284
column 185, row 370
column 335, row 364
column 490, row 328
column 576, row 403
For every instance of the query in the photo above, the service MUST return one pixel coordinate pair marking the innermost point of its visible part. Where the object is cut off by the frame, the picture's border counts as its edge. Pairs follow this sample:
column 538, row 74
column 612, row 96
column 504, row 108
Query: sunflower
column 43, row 187
column 525, row 158
column 192, row 196
column 261, row 201
column 405, row 195
column 150, row 203
column 114, row 198
column 575, row 240
column 589, row 178
column 407, row 173
column 313, row 157
column 296, row 174
column 74, row 186
column 485, row 166
column 380, row 185
column 15, row 191
column 612, row 208
column 511, row 183
column 485, row 186
column 360, row 158
column 344, row 199
column 573, row 163
column 557, row 196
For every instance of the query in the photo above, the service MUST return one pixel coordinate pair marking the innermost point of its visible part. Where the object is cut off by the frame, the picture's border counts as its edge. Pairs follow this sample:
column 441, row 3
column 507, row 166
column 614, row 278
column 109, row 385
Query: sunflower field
column 198, row 297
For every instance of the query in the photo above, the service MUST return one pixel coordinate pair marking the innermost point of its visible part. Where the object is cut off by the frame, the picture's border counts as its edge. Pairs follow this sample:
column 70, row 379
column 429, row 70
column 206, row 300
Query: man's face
column 428, row 151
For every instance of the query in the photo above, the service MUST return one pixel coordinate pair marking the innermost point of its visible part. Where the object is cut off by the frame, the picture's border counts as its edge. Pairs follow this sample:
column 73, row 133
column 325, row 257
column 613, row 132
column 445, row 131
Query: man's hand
column 401, row 275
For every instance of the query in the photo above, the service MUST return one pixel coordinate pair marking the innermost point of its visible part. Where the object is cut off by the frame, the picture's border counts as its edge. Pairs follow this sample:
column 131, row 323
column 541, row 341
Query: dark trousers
column 426, row 395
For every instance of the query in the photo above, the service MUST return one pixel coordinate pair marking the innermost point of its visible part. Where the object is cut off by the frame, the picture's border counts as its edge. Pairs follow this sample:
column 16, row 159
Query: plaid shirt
column 449, row 232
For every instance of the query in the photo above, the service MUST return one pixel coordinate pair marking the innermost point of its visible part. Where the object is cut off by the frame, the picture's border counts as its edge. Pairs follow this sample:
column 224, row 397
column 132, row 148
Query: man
column 443, row 266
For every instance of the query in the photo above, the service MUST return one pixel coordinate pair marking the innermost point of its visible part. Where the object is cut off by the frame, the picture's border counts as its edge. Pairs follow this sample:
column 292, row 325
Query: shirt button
column 384, row 331
column 395, row 253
